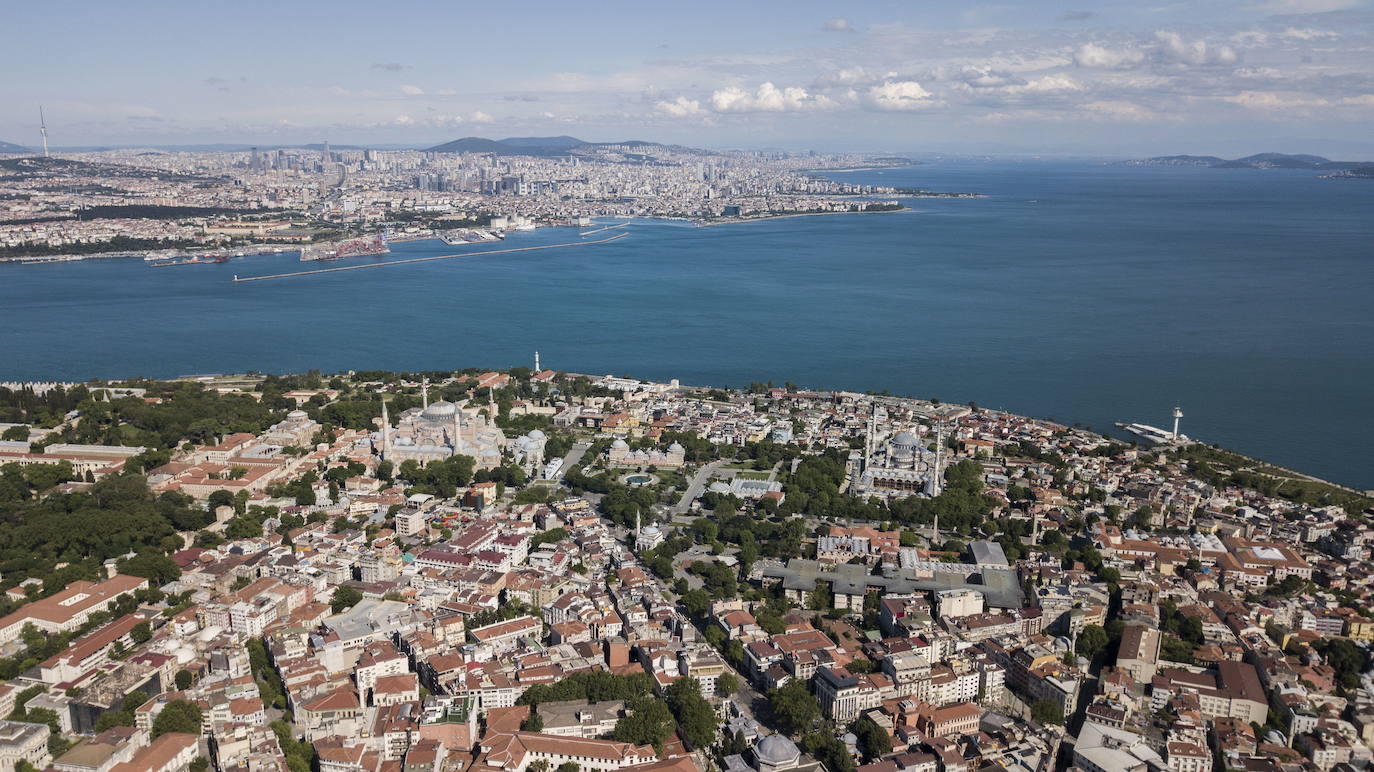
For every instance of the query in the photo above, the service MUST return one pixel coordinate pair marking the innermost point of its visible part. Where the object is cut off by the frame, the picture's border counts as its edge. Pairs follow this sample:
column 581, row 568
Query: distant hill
column 536, row 146
column 1256, row 161
column 12, row 149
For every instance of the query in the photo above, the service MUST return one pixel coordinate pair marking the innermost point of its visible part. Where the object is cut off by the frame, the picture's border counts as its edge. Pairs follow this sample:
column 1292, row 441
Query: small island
column 1356, row 169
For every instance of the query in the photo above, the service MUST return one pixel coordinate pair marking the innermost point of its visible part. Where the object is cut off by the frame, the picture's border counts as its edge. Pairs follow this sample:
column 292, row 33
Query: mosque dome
column 620, row 445
column 777, row 750
column 719, row 487
column 297, row 415
column 905, row 439
column 675, row 448
column 523, row 443
column 439, row 411
column 536, row 435
column 649, row 530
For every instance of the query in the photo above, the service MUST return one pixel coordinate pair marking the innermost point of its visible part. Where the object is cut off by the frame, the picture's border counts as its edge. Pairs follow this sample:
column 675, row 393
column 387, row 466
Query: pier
column 606, row 228
column 238, row 279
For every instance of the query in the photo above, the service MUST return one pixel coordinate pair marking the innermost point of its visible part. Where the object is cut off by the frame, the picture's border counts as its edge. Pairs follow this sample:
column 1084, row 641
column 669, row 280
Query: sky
column 1224, row 77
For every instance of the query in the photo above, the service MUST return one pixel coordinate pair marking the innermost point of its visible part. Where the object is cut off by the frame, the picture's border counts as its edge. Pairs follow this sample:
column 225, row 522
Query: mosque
column 529, row 451
column 620, row 454
column 900, row 465
column 441, row 430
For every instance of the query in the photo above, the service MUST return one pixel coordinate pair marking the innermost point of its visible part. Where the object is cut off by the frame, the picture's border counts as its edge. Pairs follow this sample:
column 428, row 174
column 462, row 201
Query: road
column 697, row 487
column 573, row 456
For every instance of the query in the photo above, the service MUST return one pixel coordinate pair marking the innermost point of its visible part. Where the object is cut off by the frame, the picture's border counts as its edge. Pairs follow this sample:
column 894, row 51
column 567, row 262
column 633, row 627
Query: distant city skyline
column 1226, row 77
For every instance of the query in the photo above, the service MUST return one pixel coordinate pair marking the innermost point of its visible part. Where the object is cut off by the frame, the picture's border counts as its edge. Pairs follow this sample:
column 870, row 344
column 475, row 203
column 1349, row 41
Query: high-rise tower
column 43, row 129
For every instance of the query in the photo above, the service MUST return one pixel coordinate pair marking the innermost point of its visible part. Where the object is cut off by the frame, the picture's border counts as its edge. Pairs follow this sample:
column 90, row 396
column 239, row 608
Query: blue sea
column 1080, row 291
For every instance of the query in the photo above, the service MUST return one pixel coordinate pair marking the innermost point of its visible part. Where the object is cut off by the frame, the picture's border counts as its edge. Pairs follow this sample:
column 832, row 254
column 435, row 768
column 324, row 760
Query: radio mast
column 43, row 129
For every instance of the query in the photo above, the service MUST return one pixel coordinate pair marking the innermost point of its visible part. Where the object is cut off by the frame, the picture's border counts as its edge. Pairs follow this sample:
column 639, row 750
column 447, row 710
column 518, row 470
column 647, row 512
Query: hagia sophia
column 441, row 430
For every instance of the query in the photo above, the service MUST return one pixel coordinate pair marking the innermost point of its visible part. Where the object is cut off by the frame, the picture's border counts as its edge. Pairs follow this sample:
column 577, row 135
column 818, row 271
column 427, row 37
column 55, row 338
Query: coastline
column 737, row 221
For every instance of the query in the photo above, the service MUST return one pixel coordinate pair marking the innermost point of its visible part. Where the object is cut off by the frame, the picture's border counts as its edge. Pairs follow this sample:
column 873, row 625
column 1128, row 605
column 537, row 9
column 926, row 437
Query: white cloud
column 899, row 95
column 481, row 117
column 1097, row 57
column 1307, row 6
column 1174, row 48
column 850, row 76
column 767, row 98
column 680, row 107
column 1307, row 33
column 838, row 25
column 1050, row 84
column 1119, row 110
column 409, row 90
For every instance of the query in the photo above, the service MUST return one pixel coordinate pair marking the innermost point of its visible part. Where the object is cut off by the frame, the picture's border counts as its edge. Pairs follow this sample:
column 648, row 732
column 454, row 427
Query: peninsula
column 535, row 569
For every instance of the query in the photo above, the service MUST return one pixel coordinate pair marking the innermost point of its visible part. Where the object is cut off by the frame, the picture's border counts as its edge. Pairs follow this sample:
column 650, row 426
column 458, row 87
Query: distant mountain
column 1277, row 161
column 536, row 146
column 10, row 148
column 1256, row 161
column 565, row 142
column 479, row 145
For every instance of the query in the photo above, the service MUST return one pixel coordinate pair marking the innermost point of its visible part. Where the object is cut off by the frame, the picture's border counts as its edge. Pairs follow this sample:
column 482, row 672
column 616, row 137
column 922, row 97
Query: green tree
column 141, row 633
column 345, row 597
column 184, row 679
column 1091, row 640
column 794, row 707
column 697, row 602
column 1047, row 711
column 696, row 720
column 178, row 716
column 874, row 741
column 648, row 721
column 827, row 749
column 726, row 684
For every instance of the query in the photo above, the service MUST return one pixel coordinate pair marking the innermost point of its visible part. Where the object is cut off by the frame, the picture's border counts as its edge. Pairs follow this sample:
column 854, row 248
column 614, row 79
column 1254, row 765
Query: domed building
column 774, row 753
column 620, row 454
column 438, row 431
column 296, row 429
column 898, row 466
column 529, row 451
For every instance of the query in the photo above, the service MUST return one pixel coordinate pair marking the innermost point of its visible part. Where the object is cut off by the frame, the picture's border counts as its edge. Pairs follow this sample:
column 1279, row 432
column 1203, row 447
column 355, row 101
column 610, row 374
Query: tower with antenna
column 43, row 129
column 1178, row 413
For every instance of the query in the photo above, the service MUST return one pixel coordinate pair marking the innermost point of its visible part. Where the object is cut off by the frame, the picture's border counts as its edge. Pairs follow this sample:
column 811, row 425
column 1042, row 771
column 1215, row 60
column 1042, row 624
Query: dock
column 408, row 261
column 605, row 228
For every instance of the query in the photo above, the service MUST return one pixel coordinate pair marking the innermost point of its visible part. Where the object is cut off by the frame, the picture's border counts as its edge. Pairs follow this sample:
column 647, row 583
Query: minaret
column 424, row 392
column 937, row 477
column 386, row 432
column 872, row 433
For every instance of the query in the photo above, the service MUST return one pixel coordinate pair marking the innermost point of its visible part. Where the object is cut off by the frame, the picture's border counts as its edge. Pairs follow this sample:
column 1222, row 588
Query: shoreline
column 733, row 221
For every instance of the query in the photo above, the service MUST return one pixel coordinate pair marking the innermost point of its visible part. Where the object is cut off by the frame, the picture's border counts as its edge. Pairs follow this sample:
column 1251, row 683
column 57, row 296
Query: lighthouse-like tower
column 1178, row 413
